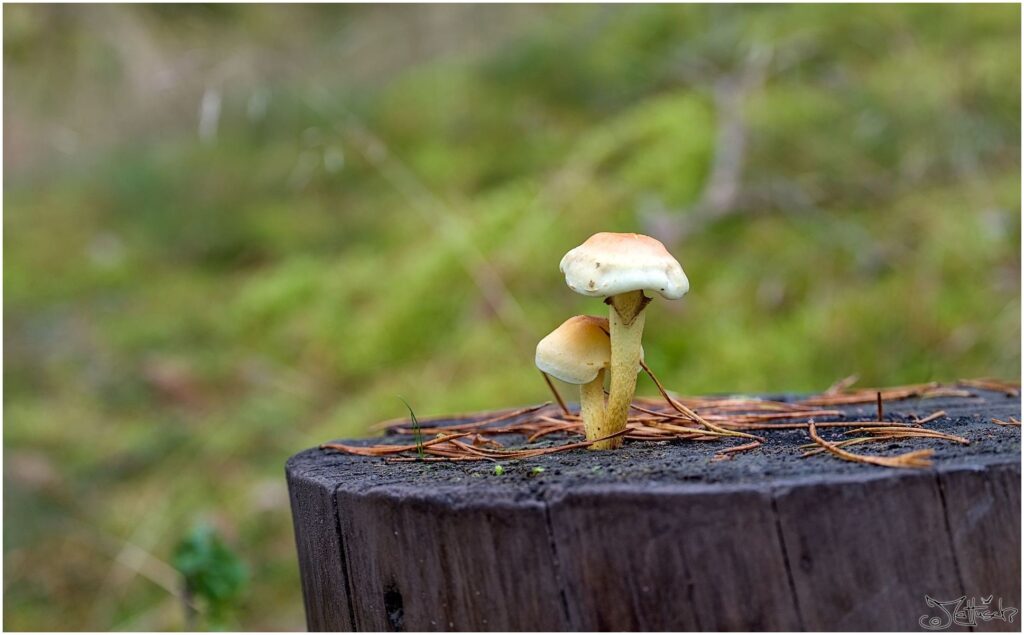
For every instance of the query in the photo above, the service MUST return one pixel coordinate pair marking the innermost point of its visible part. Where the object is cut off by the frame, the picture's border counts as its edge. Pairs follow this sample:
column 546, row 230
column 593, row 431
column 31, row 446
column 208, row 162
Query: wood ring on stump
column 655, row 536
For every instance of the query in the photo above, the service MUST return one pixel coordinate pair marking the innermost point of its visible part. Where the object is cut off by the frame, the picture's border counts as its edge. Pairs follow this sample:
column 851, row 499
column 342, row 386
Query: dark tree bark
column 656, row 537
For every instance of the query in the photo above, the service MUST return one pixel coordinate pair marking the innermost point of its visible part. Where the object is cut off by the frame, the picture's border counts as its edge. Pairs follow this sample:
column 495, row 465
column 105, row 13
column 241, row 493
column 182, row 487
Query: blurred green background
column 233, row 232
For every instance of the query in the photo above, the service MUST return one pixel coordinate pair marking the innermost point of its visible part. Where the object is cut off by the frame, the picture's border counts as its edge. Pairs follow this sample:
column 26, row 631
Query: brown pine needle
column 729, row 453
column 741, row 420
column 1012, row 422
column 656, row 413
column 462, row 437
column 543, row 432
column 932, row 417
column 451, row 454
column 840, row 386
column 869, row 395
column 526, row 454
column 841, row 444
column 481, row 441
column 554, row 391
column 889, row 428
column 399, row 423
column 1011, row 388
column 691, row 431
column 946, row 392
column 915, row 459
column 475, row 424
column 690, row 413
column 428, row 459
column 900, row 432
column 557, row 422
column 477, row 451
column 804, row 424
column 380, row 450
column 777, row 416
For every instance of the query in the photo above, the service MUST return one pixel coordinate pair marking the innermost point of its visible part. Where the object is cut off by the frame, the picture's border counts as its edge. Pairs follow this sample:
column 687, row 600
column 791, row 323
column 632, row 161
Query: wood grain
column 429, row 561
column 658, row 538
column 317, row 539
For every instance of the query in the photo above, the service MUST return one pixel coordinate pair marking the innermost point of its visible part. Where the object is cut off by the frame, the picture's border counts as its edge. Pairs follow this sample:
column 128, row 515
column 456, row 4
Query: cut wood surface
column 665, row 536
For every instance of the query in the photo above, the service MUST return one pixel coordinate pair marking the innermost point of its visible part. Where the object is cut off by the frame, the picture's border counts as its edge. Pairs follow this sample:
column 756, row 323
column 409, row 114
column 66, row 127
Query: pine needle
column 916, row 459
column 672, row 419
column 1012, row 422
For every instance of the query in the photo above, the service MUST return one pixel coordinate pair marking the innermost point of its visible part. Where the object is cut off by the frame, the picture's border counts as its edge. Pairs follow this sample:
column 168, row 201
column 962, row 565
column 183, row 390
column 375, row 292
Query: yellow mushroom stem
column 592, row 407
column 626, row 321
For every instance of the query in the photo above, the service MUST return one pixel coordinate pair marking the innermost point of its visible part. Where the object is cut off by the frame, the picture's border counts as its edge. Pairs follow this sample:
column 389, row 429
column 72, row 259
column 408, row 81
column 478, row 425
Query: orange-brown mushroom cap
column 576, row 351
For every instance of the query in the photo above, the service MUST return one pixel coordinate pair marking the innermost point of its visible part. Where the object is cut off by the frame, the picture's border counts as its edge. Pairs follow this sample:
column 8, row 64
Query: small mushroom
column 579, row 352
column 619, row 268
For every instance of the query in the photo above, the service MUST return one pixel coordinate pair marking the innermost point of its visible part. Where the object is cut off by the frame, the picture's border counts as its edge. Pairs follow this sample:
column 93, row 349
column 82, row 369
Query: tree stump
column 657, row 536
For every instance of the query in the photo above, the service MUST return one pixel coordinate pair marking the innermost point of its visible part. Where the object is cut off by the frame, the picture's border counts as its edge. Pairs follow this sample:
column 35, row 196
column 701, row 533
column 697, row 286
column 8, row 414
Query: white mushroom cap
column 608, row 264
column 576, row 351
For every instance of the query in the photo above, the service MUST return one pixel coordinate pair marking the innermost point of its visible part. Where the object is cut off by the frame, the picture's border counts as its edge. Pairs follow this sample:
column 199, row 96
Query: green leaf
column 214, row 574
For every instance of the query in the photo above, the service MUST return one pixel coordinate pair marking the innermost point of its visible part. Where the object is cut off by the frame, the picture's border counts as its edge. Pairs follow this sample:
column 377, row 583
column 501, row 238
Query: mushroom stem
column 592, row 407
column 626, row 322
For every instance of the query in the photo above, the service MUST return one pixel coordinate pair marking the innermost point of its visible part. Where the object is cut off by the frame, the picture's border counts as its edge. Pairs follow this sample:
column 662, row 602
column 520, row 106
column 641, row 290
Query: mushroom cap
column 608, row 264
column 576, row 351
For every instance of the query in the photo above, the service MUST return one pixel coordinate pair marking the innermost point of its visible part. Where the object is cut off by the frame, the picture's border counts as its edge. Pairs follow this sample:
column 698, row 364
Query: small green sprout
column 536, row 471
column 415, row 429
column 498, row 470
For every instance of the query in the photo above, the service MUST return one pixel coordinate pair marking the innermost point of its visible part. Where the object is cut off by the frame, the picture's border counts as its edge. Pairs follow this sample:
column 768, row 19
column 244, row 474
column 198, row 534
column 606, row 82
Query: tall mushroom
column 619, row 268
column 578, row 352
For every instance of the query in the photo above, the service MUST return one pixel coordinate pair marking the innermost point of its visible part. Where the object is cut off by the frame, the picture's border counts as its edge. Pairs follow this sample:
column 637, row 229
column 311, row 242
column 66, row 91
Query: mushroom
column 619, row 268
column 579, row 352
